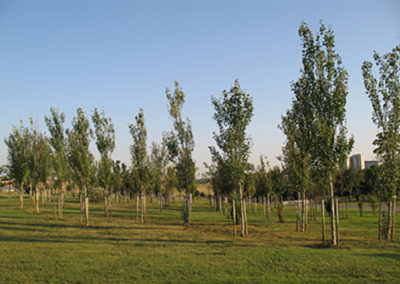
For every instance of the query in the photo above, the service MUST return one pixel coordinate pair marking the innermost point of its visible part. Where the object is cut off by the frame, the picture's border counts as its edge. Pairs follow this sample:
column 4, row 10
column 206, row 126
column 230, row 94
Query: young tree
column 80, row 158
column 263, row 185
column 180, row 146
column 140, row 160
column 233, row 113
column 159, row 162
column 297, row 159
column 105, row 142
column 18, row 159
column 57, row 141
column 384, row 94
column 318, row 108
column 39, row 161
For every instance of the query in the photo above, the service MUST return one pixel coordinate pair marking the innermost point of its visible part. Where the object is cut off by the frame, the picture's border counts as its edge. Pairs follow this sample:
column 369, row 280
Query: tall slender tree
column 39, row 162
column 318, row 109
column 180, row 146
column 81, row 159
column 384, row 94
column 233, row 113
column 57, row 141
column 140, row 159
column 105, row 142
column 18, row 159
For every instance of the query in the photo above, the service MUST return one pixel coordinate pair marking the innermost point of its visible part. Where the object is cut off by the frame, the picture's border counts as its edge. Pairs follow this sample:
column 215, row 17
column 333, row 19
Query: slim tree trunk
column 347, row 212
column 388, row 221
column 137, row 207
column 303, row 212
column 82, row 203
column 337, row 219
column 323, row 219
column 246, row 227
column 142, row 209
column 393, row 219
column 268, row 205
column 298, row 212
column 37, row 199
column 53, row 201
column 242, row 229
column 333, row 226
column 86, row 208
column 220, row 204
column 226, row 205
column 234, row 216
column 21, row 197
column 264, row 206
column 105, row 205
column 380, row 220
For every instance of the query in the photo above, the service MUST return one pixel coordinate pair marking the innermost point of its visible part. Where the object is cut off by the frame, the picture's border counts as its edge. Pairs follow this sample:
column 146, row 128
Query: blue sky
column 121, row 55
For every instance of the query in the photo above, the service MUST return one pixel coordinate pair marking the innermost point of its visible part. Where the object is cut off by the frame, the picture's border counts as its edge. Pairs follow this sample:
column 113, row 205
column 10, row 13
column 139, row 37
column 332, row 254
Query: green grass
column 36, row 248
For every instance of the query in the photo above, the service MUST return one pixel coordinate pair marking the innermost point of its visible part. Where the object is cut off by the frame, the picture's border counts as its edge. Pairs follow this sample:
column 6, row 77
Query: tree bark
column 380, row 220
column 333, row 226
column 234, row 216
column 86, row 208
column 393, row 219
column 142, row 209
column 298, row 212
column 82, row 203
column 242, row 229
column 246, row 227
column 264, row 207
column 21, row 197
column 323, row 219
column 53, row 201
column 268, row 205
column 337, row 219
column 37, row 199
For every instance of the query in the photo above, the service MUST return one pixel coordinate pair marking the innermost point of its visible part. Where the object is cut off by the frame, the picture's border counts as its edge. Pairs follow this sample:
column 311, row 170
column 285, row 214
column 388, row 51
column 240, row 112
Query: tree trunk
column 323, row 219
column 337, row 219
column 298, row 212
column 388, row 221
column 37, row 199
column 380, row 220
column 105, row 205
column 220, row 204
column 268, row 205
column 264, row 206
column 21, row 197
column 234, row 216
column 226, row 205
column 242, row 229
column 86, row 208
column 82, row 203
column 44, row 196
column 142, row 209
column 246, row 227
column 393, row 219
column 347, row 207
column 333, row 226
column 137, row 207
column 53, row 201
column 303, row 213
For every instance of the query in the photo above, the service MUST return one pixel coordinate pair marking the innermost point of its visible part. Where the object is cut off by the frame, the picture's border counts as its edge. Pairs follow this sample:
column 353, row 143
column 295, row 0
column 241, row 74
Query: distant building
column 357, row 162
column 369, row 164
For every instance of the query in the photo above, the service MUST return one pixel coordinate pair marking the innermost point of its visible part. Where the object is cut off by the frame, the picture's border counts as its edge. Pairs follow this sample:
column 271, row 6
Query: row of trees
column 316, row 145
column 63, row 160
column 313, row 154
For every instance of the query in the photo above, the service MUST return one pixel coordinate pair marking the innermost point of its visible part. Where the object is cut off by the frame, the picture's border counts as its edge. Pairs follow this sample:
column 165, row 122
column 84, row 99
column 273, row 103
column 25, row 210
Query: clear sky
column 121, row 55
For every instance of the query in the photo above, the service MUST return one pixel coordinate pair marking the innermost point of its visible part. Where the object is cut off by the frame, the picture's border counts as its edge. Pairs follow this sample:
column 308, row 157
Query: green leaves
column 233, row 113
column 384, row 94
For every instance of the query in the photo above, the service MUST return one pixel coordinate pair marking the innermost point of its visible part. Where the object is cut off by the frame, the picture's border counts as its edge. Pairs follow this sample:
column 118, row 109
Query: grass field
column 36, row 248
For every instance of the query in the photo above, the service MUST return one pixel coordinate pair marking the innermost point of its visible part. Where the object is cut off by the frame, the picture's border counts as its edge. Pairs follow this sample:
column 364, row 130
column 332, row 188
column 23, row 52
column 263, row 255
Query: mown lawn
column 36, row 248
